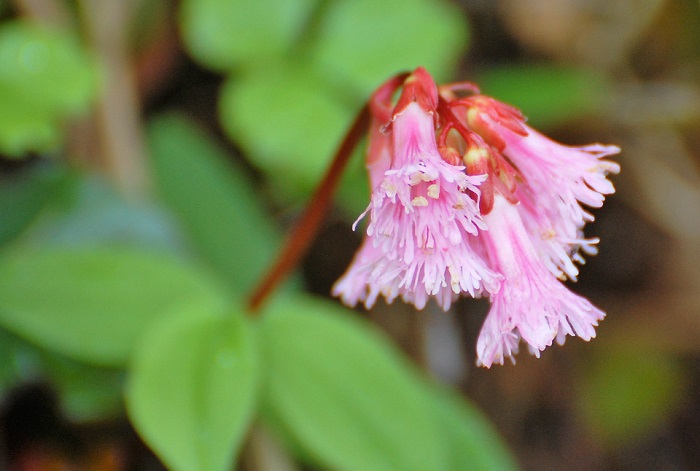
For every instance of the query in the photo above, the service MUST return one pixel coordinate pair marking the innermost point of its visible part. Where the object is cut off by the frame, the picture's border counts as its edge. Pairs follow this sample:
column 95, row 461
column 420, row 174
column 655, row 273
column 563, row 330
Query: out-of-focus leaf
column 88, row 211
column 343, row 391
column 213, row 199
column 22, row 198
column 472, row 442
column 366, row 41
column 94, row 304
column 547, row 95
column 625, row 393
column 192, row 388
column 45, row 77
column 287, row 121
column 224, row 33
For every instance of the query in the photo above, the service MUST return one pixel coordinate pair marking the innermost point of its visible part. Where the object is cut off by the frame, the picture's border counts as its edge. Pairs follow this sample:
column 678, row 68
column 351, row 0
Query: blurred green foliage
column 227, row 34
column 85, row 210
column 363, row 42
column 23, row 198
column 191, row 173
column 93, row 304
column 343, row 392
column 46, row 77
column 266, row 110
column 193, row 387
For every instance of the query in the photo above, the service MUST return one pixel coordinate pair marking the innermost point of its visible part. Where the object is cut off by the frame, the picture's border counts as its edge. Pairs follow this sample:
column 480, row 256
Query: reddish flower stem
column 306, row 229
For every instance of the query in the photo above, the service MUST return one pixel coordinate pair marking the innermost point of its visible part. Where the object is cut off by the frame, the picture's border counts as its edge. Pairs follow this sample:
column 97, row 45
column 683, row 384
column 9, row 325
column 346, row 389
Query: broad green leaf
column 625, row 393
column 344, row 392
column 192, row 388
column 46, row 76
column 472, row 442
column 23, row 197
column 367, row 41
column 93, row 304
column 288, row 122
column 214, row 200
column 547, row 95
column 225, row 33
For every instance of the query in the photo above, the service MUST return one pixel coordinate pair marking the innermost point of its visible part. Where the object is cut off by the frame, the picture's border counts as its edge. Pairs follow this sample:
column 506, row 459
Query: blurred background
column 107, row 106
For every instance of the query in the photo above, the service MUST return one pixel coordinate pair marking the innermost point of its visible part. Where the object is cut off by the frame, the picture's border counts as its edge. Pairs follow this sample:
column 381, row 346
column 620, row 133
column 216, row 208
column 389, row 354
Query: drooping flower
column 468, row 199
column 532, row 304
column 535, row 229
column 423, row 212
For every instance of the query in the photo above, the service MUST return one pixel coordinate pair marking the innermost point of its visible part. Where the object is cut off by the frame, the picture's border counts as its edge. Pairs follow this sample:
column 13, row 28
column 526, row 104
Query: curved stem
column 306, row 229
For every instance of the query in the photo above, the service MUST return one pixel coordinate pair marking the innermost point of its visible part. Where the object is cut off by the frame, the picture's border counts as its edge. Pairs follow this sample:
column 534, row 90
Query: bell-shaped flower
column 423, row 216
column 532, row 304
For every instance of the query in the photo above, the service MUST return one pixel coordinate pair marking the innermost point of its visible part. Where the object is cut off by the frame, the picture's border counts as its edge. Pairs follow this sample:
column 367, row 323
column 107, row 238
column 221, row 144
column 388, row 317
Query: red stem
column 306, row 229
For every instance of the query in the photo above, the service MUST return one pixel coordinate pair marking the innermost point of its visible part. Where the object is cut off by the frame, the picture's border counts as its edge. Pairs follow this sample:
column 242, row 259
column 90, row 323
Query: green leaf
column 287, row 121
column 627, row 392
column 547, row 95
column 192, row 389
column 366, row 41
column 225, row 33
column 471, row 440
column 23, row 197
column 214, row 200
column 93, row 304
column 344, row 392
column 46, row 76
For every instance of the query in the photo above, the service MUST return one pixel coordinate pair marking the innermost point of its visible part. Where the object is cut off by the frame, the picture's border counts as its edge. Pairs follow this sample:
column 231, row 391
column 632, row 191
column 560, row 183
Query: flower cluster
column 467, row 199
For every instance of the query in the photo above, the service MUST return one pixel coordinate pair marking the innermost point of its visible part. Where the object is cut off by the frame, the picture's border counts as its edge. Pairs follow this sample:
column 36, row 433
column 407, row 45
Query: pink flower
column 557, row 180
column 423, row 215
column 532, row 304
column 467, row 199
